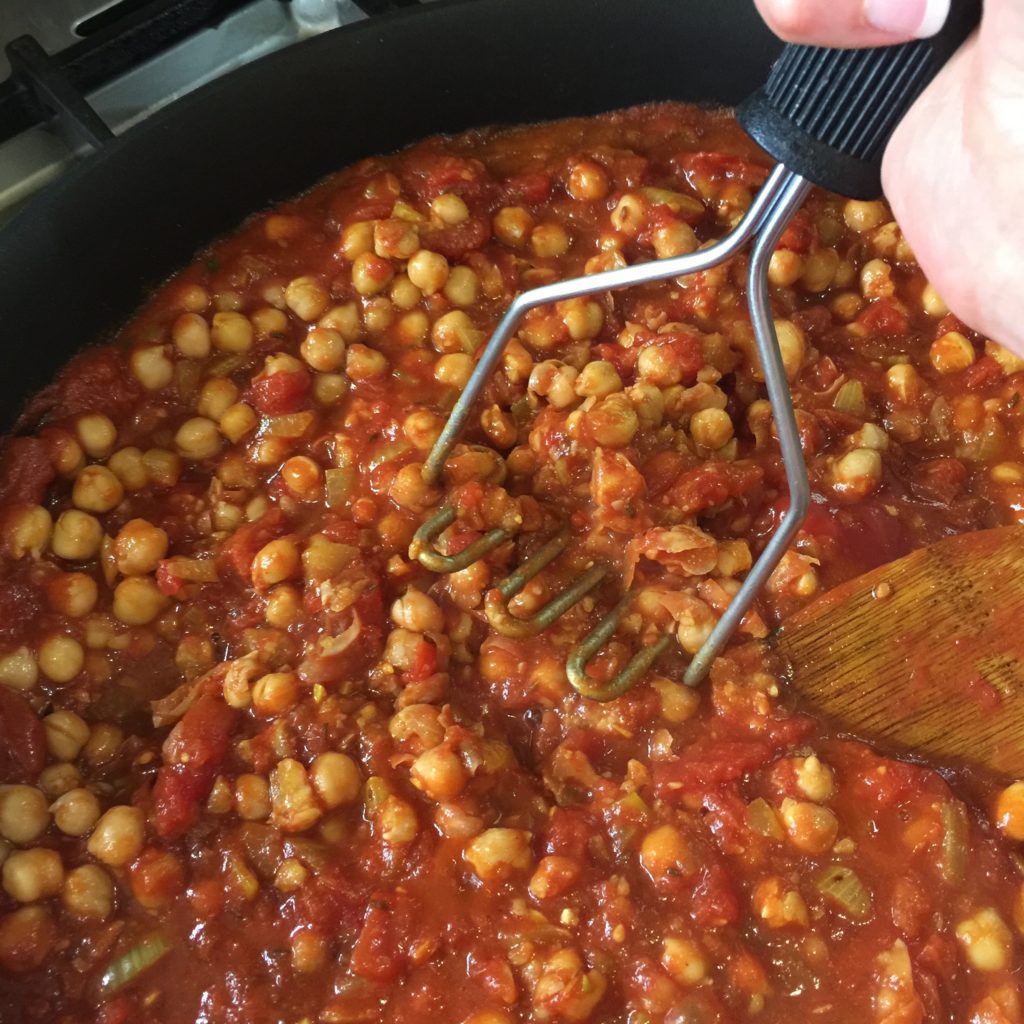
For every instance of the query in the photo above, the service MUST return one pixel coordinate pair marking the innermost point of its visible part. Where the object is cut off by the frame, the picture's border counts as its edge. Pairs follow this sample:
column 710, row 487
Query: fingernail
column 908, row 18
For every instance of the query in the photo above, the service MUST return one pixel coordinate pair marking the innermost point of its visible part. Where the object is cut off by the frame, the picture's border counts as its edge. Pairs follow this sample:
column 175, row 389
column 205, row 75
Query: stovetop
column 126, row 59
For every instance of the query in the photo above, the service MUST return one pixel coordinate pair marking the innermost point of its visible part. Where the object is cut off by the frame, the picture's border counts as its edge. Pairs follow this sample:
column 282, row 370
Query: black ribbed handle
column 827, row 114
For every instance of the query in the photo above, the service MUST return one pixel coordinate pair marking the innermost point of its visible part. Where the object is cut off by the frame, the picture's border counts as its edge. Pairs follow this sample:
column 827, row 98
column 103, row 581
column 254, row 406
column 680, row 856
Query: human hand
column 954, row 169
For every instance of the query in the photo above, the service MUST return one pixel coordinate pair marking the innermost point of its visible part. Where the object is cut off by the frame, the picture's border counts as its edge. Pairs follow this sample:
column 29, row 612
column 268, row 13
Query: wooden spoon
column 926, row 652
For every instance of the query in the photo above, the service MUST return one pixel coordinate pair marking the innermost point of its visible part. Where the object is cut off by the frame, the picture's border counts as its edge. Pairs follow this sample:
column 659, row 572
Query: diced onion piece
column 292, row 425
column 763, row 820
column 339, row 485
column 843, row 886
column 192, row 570
column 850, row 399
column 955, row 833
column 387, row 452
column 126, row 968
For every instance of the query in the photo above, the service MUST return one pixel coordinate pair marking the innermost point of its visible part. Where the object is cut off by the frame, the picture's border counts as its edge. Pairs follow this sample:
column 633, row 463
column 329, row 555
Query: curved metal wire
column 423, row 550
column 608, row 280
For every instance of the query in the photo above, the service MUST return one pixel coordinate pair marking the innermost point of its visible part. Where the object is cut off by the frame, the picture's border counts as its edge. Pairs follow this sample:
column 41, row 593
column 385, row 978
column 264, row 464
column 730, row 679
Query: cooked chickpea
column 66, row 734
column 307, row 298
column 1009, row 811
column 127, row 465
column 162, row 467
column 238, row 421
column 409, row 490
column 138, row 601
column 422, row 428
column 324, row 349
column 152, row 367
column 303, row 477
column 428, row 271
column 462, row 287
column 104, row 742
column 450, row 208
column 711, row 428
column 859, row 472
column 275, row 693
column 986, row 941
column 231, row 332
column 371, row 274
column 861, row 215
column 275, row 562
column 57, row 779
column 811, row 829
column 555, row 381
column 96, row 434
column 364, row 363
column 139, row 547
column 28, row 531
column 269, row 322
column 19, row 669
column 785, row 268
column 904, row 383
column 394, row 238
column 814, row 779
column 819, row 270
column 684, row 960
column 61, row 658
column 588, row 181
column 454, row 333
column 191, row 336
column 497, row 853
column 96, row 489
column 30, row 875
column 398, row 821
column 73, row 594
column 659, row 365
column 336, row 779
column 216, row 396
column 613, row 421
column 951, row 353
column 89, row 893
column 252, row 797
column 23, row 813
column 500, row 427
column 454, row 369
column 440, row 773
column 629, row 214
column 356, row 239
column 597, row 379
column 549, row 241
column 876, row 280
column 76, row 812
column 675, row 239
column 792, row 347
column 417, row 611
column 118, row 835
column 665, row 851
column 198, row 439
column 76, row 536
column 512, row 225
column 583, row 318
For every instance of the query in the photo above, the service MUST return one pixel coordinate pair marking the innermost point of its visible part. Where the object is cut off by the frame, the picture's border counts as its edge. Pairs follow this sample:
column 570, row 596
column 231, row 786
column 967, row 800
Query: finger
column 850, row 23
column 1002, row 42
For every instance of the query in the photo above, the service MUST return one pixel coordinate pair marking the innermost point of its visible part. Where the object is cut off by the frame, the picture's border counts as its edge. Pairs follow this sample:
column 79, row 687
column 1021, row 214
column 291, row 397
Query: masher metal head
column 826, row 116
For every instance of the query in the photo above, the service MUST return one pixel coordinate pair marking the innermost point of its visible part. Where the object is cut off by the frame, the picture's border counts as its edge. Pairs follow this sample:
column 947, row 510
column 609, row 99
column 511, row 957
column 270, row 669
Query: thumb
column 849, row 23
column 1002, row 42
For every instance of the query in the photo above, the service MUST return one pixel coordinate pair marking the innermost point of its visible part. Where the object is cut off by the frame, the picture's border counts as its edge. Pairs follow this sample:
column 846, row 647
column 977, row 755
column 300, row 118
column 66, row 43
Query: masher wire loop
column 769, row 213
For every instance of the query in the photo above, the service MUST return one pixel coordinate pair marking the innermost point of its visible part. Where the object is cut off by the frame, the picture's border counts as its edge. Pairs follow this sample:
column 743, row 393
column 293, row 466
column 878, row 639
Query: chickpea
column 861, row 216
column 198, row 439
column 454, row 369
column 613, row 421
column 371, row 274
column 462, row 287
column 422, row 428
column 500, row 427
column 659, row 365
column 57, row 779
column 66, row 734
column 811, row 829
column 951, row 353
column 76, row 536
column 398, row 822
column 597, row 379
column 629, row 214
column 294, row 805
column 451, row 208
column 96, row 489
column 439, row 773
column 932, row 302
column 216, row 396
column 152, row 367
column 252, row 797
column 792, row 347
column 23, row 813
column 28, row 531
column 418, row 612
column 876, row 280
column 674, row 239
column 191, row 336
column 329, row 388
column 139, row 547
column 61, row 658
column 394, row 238
column 778, row 906
column 785, row 268
column 986, row 941
column 89, row 893
column 96, row 434
column 30, row 875
column 859, row 472
column 19, row 669
column 454, row 333
column 162, row 467
column 104, row 742
column 336, row 779
column 365, row 363
column 128, row 467
column 819, row 270
column 555, row 381
column 76, row 812
column 904, row 383
column 324, row 349
column 290, row 876
column 409, row 490
column 583, row 318
column 303, row 477
column 231, row 332
column 275, row 693
column 306, row 298
column 497, row 853
column 549, row 241
column 238, row 421
column 275, row 562
column 428, row 271
column 138, row 601
column 118, row 835
column 512, row 225
column 711, row 428
column 356, row 239
column 684, row 960
column 1009, row 811
column 588, row 181
column 665, row 852
column 555, row 875
column 814, row 779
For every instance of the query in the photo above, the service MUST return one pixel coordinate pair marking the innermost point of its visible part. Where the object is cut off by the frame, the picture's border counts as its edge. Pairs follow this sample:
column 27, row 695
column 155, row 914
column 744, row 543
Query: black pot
column 82, row 255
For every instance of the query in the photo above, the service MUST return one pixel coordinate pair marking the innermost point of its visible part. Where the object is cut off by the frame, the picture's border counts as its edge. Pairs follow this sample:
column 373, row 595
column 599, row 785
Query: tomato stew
column 260, row 766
